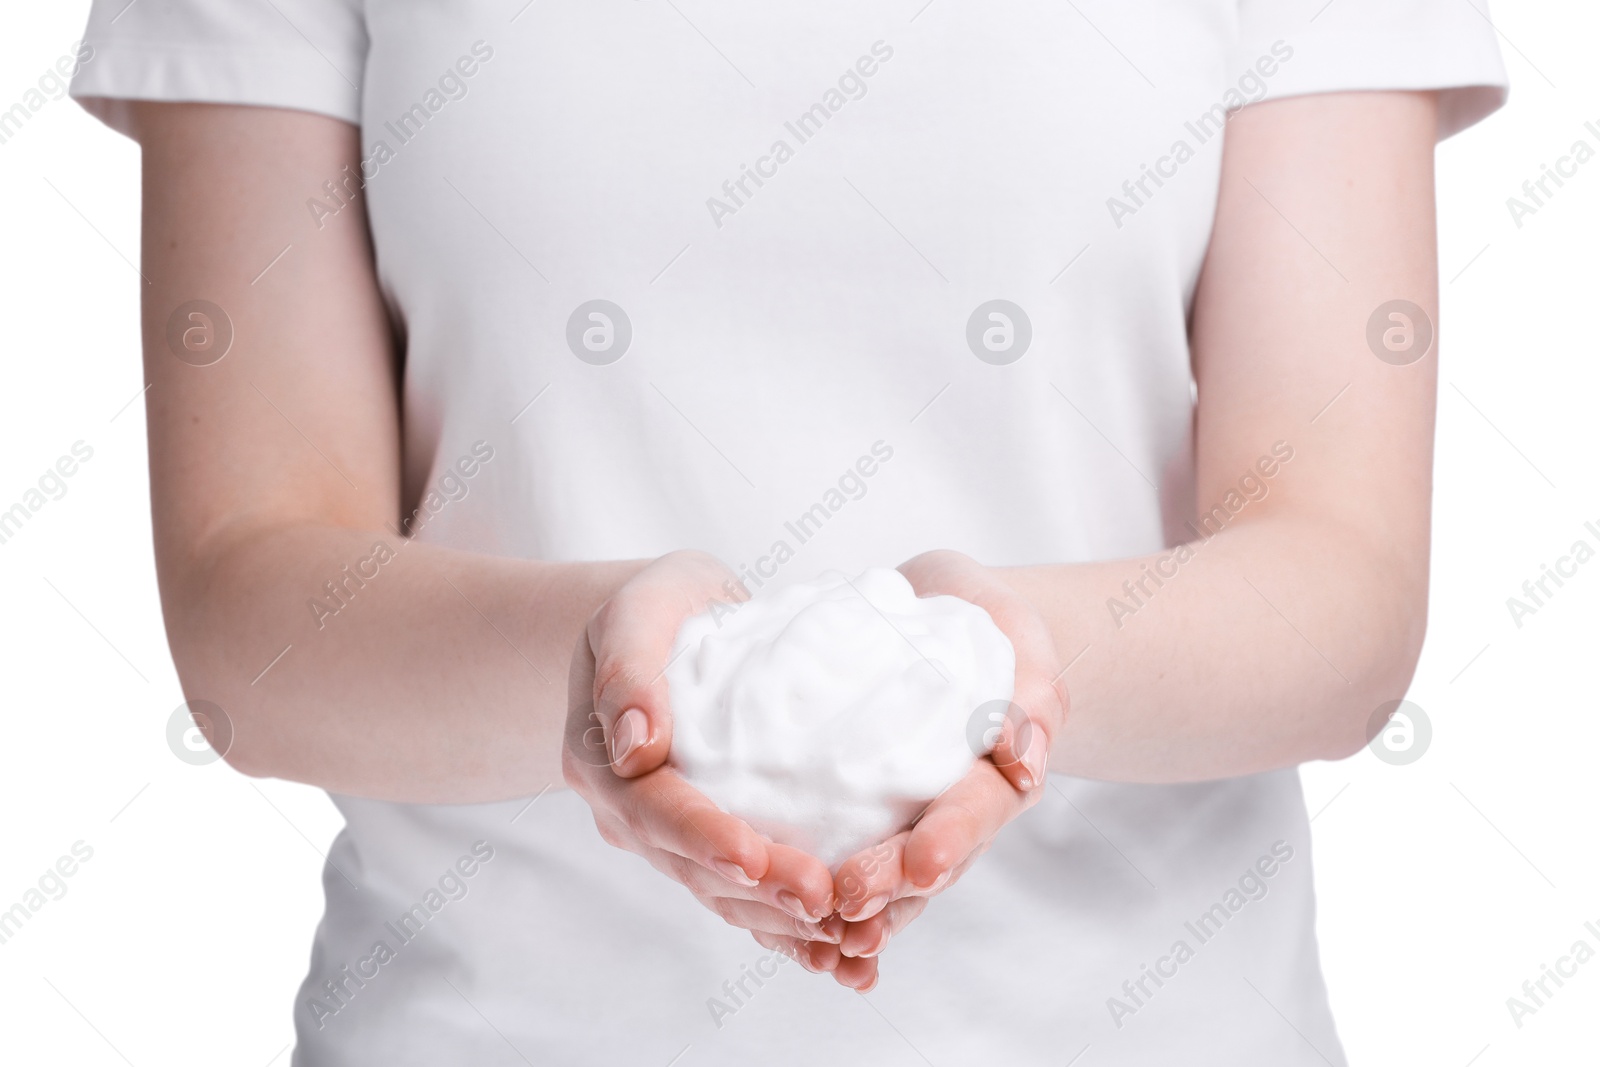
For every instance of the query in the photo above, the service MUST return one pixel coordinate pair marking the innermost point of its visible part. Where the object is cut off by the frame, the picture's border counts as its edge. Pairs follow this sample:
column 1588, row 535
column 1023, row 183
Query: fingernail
column 826, row 936
column 631, row 730
column 733, row 873
column 869, row 987
column 794, row 906
column 1034, row 762
column 872, row 906
column 883, row 943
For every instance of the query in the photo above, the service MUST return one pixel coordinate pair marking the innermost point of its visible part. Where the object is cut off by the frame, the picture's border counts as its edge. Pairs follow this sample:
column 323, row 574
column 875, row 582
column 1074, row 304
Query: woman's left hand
column 881, row 889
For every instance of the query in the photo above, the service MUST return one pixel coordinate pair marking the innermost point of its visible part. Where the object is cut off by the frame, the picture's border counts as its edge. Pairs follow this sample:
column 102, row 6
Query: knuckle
column 608, row 832
column 943, row 854
column 618, row 680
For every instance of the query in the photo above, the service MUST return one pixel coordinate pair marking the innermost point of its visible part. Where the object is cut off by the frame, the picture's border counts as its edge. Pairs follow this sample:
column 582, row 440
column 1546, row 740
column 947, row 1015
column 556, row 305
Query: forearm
column 399, row 670
column 1271, row 644
column 1301, row 611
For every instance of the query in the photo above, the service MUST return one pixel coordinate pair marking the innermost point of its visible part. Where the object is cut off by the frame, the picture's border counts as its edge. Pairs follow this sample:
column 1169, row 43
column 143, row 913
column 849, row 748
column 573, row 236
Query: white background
column 1443, row 884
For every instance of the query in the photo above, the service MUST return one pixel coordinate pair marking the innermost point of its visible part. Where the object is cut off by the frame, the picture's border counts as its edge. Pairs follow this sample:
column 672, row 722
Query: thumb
column 630, row 692
column 633, row 637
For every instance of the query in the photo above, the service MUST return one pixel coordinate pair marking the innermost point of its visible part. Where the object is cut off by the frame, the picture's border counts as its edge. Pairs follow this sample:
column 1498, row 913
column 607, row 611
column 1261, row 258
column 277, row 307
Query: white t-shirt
column 878, row 277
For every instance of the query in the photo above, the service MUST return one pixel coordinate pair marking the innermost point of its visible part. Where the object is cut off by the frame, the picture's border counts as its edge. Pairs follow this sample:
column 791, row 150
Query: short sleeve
column 307, row 55
column 1346, row 45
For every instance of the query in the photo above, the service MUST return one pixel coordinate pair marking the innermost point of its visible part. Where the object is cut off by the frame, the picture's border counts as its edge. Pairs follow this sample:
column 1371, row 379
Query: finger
column 1040, row 701
column 736, row 905
column 867, row 938
column 858, row 974
column 869, row 880
column 583, row 751
column 632, row 636
column 870, row 937
column 588, row 743
column 665, row 812
column 823, row 955
column 753, row 915
column 1022, row 752
column 816, row 957
column 798, row 883
column 959, row 822
column 811, row 906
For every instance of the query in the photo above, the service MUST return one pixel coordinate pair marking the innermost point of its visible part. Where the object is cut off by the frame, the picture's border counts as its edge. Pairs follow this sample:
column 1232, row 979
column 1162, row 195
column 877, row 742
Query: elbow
column 219, row 726
column 216, row 662
column 1387, row 640
column 214, row 635
column 249, row 759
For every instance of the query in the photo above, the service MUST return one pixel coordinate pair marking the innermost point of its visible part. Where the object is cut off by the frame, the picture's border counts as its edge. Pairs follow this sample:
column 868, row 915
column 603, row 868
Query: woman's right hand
column 618, row 736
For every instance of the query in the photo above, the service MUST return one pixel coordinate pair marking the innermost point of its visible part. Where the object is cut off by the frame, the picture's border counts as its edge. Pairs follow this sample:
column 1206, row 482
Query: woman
column 489, row 340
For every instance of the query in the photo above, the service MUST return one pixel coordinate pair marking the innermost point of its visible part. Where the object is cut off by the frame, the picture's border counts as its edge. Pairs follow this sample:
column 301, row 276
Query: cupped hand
column 618, row 736
column 883, row 888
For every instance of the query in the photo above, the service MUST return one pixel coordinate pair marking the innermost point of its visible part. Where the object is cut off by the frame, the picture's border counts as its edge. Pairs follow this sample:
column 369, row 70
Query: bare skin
column 450, row 678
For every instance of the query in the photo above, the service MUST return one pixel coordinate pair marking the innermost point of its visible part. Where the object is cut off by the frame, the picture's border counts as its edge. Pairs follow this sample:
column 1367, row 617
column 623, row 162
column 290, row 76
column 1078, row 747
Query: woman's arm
column 275, row 469
column 1276, row 642
column 445, row 677
column 1279, row 636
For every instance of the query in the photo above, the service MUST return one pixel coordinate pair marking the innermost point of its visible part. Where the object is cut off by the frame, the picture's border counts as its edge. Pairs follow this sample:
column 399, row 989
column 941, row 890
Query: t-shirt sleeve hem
column 1468, row 75
column 1460, row 106
column 122, row 72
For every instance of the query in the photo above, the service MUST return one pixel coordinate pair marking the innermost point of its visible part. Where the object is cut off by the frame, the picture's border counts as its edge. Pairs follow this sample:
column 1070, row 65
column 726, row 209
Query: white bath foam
column 828, row 714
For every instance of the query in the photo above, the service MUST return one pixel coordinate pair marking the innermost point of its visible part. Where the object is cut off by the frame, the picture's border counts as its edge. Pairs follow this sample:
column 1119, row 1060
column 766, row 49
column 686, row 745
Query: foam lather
column 828, row 714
